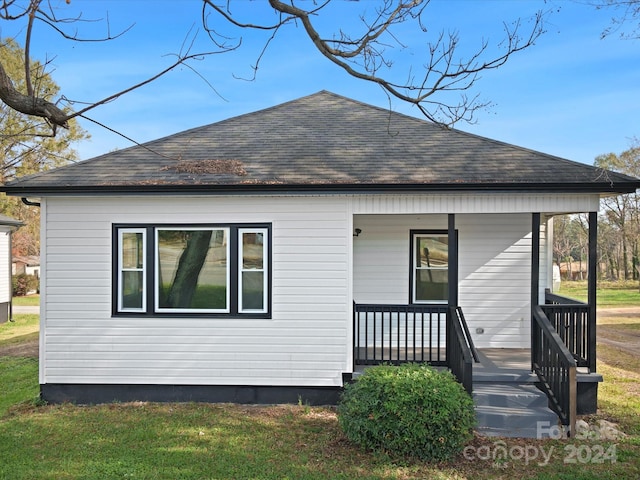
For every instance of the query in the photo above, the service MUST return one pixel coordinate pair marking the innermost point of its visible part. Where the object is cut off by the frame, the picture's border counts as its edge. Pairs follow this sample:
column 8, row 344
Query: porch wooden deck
column 492, row 360
column 501, row 358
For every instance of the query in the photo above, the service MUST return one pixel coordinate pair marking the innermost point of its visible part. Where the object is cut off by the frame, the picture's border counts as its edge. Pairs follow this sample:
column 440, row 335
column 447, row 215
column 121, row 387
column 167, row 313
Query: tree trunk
column 189, row 266
column 612, row 268
column 625, row 258
column 634, row 261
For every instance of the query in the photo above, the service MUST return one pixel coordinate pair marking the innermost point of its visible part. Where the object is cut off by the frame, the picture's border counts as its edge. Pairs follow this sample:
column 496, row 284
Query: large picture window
column 430, row 267
column 193, row 270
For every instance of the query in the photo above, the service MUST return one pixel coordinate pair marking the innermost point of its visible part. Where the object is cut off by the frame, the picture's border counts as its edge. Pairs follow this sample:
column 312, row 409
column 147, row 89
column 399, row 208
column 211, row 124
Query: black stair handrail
column 459, row 355
column 556, row 368
column 467, row 334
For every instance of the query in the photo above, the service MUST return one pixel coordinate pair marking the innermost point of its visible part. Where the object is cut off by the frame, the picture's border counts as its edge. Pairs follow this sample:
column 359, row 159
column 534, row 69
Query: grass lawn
column 220, row 441
column 608, row 294
column 19, row 380
column 28, row 300
column 619, row 395
column 196, row 441
column 22, row 326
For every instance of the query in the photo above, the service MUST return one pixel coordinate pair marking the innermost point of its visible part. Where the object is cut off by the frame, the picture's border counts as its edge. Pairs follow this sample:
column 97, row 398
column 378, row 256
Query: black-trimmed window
column 429, row 266
column 211, row 270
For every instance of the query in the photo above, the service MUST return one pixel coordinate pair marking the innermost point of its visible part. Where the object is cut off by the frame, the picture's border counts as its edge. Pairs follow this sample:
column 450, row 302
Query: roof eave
column 369, row 188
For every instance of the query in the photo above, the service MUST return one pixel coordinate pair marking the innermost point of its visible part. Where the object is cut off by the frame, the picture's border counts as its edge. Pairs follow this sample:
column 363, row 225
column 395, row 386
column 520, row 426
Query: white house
column 27, row 264
column 266, row 257
column 7, row 226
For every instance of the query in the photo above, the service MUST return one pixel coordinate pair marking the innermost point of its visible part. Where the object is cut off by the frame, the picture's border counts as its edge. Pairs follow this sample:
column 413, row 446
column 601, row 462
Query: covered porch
column 555, row 348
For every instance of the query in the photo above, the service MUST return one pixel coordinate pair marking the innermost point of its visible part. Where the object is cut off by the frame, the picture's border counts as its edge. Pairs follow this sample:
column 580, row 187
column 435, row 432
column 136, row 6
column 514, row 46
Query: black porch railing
column 429, row 333
column 571, row 319
column 399, row 333
column 555, row 366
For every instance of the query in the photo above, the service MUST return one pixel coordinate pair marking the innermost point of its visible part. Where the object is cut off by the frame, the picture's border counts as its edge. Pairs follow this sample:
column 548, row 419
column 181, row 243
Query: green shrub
column 24, row 284
column 410, row 410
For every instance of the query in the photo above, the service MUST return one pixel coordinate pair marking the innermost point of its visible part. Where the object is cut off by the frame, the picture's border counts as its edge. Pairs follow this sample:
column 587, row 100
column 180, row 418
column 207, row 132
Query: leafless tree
column 626, row 19
column 618, row 225
column 623, row 212
column 366, row 50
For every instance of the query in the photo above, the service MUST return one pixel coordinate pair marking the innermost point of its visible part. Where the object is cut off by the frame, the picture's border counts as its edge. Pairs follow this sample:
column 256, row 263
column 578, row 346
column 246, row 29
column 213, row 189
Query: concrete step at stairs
column 511, row 409
column 508, row 395
column 504, row 375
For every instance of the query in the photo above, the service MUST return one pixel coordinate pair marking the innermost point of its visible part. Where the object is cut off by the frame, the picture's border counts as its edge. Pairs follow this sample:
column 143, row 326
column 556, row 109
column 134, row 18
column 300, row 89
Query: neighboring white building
column 232, row 262
column 27, row 264
column 7, row 227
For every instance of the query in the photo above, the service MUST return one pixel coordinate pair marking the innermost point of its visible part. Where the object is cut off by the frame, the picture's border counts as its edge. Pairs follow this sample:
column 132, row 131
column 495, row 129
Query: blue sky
column 572, row 94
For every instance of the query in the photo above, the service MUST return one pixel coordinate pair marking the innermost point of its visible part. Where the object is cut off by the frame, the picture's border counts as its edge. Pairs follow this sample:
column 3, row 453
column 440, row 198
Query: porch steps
column 503, row 376
column 511, row 407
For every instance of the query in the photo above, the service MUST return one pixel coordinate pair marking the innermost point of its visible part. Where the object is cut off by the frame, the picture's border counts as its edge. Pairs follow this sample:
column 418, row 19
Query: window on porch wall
column 430, row 272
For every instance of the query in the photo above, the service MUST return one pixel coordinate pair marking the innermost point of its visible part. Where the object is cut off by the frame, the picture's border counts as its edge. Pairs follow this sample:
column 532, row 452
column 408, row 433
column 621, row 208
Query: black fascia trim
column 150, row 272
column 88, row 394
column 257, row 189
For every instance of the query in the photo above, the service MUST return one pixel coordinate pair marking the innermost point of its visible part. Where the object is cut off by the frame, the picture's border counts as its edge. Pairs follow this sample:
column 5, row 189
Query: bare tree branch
column 628, row 15
column 30, row 104
column 364, row 56
column 27, row 48
column 182, row 59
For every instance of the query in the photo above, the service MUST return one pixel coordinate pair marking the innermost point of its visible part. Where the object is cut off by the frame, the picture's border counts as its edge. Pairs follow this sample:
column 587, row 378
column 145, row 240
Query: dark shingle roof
column 322, row 142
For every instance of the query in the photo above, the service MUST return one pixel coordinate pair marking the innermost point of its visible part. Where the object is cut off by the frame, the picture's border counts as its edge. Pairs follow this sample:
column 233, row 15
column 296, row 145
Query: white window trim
column 121, row 270
column 416, row 268
column 264, row 269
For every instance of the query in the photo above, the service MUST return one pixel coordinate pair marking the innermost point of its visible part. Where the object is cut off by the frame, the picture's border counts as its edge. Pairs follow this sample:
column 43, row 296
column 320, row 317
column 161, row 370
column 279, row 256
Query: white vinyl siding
column 495, row 278
column 476, row 203
column 305, row 343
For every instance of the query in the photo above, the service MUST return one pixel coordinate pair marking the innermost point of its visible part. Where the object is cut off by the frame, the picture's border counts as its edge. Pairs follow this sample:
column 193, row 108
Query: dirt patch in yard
column 631, row 312
column 619, row 334
column 27, row 348
column 614, row 336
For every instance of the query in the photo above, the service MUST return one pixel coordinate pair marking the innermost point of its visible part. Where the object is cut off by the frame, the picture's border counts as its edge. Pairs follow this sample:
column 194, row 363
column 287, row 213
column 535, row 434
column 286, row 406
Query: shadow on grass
column 179, row 441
